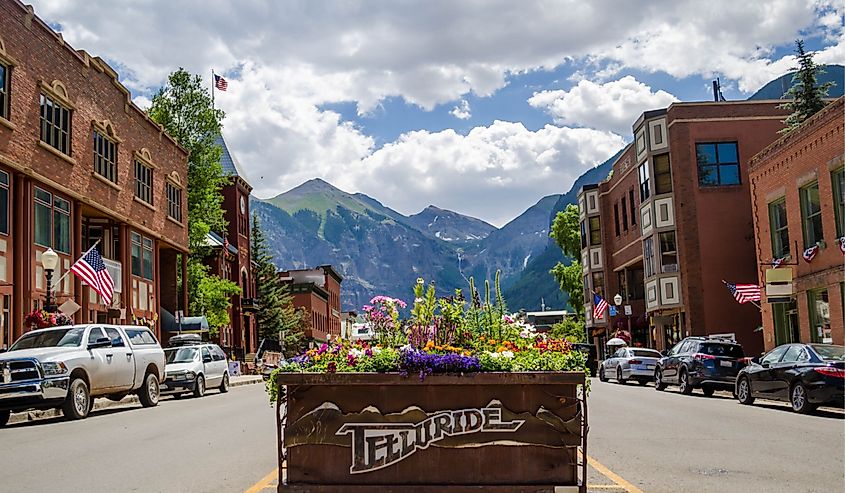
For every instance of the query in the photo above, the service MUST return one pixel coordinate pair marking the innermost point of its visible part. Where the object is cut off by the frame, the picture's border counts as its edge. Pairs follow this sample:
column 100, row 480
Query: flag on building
column 778, row 262
column 744, row 292
column 599, row 306
column 842, row 244
column 810, row 253
column 220, row 83
column 91, row 269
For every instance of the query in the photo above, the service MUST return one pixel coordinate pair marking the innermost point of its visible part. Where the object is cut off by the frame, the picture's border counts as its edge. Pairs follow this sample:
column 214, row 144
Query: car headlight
column 53, row 368
column 190, row 375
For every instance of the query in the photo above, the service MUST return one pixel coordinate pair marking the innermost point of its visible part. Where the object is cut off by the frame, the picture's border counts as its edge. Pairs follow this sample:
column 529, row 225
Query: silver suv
column 195, row 368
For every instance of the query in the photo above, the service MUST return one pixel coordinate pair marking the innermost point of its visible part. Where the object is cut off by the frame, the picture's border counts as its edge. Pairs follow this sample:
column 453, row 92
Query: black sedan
column 805, row 375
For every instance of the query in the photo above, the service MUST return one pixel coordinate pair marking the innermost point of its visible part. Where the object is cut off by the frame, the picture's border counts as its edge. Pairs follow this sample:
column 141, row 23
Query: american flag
column 220, row 83
column 92, row 270
column 599, row 306
column 744, row 292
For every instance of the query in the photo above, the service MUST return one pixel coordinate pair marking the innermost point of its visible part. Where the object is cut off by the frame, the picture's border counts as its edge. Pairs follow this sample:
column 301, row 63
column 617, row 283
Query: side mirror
column 206, row 359
column 665, row 352
column 755, row 360
column 100, row 343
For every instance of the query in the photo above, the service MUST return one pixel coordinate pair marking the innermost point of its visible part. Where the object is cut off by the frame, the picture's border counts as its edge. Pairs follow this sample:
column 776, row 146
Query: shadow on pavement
column 60, row 419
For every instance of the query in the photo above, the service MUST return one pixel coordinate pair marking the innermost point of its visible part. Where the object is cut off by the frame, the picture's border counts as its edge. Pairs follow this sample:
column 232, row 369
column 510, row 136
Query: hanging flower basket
column 41, row 319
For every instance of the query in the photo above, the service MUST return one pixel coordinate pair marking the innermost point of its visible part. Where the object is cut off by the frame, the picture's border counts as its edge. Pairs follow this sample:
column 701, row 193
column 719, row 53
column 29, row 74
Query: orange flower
column 429, row 345
column 501, row 349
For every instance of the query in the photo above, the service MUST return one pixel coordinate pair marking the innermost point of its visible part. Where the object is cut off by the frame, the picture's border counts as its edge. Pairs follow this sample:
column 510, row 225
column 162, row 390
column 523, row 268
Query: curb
column 102, row 403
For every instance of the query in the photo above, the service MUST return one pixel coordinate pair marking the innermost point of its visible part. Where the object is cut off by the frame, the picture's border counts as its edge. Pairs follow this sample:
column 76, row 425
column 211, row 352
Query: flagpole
column 56, row 283
column 212, row 89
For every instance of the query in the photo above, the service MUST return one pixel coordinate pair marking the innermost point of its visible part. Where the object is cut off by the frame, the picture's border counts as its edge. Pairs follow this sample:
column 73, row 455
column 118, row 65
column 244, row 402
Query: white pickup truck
column 66, row 367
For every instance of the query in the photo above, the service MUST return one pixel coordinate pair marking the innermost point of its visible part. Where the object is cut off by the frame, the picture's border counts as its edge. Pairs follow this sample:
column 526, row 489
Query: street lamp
column 49, row 260
column 617, row 299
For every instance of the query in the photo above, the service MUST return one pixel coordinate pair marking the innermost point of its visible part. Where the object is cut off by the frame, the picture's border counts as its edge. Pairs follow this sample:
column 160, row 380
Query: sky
column 478, row 106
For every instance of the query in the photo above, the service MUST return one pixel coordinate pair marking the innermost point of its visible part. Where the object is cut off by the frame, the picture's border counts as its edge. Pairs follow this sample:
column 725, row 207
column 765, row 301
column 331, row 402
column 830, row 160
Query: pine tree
column 277, row 318
column 807, row 96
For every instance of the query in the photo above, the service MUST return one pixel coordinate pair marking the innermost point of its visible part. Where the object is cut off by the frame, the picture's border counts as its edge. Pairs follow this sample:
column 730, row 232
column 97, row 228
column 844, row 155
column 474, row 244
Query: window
column 105, row 157
column 55, row 125
column 785, row 321
column 140, row 337
column 622, row 283
column 645, row 191
column 662, row 174
column 819, row 305
column 648, row 256
column 718, row 164
column 635, row 284
column 633, row 207
column 206, row 355
column 811, row 212
column 624, row 215
column 616, row 217
column 774, row 355
column 174, row 201
column 795, row 354
column 717, row 349
column 668, row 252
column 4, row 204
column 95, row 335
column 779, row 229
column 52, row 221
column 598, row 283
column 838, row 179
column 583, row 235
column 116, row 338
column 5, row 82
column 143, row 182
column 142, row 256
column 595, row 231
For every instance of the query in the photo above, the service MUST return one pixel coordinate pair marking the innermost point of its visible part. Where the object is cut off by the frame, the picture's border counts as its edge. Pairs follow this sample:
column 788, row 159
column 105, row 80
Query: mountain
column 450, row 226
column 777, row 88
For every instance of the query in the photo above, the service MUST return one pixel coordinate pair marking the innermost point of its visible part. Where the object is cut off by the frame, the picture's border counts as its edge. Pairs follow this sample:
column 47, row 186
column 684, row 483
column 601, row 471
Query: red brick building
column 231, row 258
column 798, row 201
column 318, row 292
column 683, row 188
column 81, row 165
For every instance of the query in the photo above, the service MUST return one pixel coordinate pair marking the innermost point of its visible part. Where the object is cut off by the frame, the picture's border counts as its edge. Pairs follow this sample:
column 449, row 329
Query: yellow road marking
column 264, row 483
column 612, row 476
column 604, row 487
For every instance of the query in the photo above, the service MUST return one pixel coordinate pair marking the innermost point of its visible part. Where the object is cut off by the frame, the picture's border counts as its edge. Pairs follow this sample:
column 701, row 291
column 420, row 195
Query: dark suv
column 700, row 362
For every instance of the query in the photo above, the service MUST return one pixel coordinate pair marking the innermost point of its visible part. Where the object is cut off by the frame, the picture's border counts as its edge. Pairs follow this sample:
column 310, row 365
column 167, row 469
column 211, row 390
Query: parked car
column 589, row 351
column 805, row 375
column 195, row 368
column 700, row 362
column 629, row 363
column 67, row 367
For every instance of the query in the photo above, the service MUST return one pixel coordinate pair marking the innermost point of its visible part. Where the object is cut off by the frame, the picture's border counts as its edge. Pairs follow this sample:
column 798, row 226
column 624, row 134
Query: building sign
column 779, row 286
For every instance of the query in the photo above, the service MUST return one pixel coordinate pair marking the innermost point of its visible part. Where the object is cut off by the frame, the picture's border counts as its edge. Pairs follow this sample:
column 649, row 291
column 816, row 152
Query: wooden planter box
column 492, row 432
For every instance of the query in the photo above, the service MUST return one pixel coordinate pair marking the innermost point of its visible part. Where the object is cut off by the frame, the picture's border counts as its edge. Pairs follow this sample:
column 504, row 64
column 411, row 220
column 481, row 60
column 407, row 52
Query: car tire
column 799, row 399
column 178, row 395
column 224, row 384
column 619, row 376
column 659, row 384
column 642, row 381
column 199, row 386
column 77, row 404
column 708, row 391
column 684, row 384
column 4, row 418
column 743, row 391
column 150, row 391
column 602, row 376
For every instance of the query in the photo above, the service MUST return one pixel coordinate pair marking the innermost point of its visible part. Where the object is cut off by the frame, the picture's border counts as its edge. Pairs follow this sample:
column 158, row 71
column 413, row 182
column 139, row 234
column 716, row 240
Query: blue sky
column 482, row 107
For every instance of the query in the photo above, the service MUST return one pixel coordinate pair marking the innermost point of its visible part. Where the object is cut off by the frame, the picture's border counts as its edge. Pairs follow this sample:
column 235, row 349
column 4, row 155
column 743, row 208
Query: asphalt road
column 218, row 443
column 668, row 442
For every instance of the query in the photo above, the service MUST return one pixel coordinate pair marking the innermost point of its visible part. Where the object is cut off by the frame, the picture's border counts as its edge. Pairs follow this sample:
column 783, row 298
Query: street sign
column 628, row 310
column 613, row 311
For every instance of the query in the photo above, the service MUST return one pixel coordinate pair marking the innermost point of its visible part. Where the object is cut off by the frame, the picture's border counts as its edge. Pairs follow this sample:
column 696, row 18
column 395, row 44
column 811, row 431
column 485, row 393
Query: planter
column 357, row 432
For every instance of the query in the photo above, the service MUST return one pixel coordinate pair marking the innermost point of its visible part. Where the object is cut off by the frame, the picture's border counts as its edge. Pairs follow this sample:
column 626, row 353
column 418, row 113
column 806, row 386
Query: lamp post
column 618, row 300
column 49, row 260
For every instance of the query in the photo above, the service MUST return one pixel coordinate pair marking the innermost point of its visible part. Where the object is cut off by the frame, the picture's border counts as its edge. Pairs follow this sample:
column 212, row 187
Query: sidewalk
column 102, row 403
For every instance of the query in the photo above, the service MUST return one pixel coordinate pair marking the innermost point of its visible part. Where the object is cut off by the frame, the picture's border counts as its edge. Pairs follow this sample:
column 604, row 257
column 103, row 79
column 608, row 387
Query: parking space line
column 620, row 482
column 265, row 483
column 605, row 487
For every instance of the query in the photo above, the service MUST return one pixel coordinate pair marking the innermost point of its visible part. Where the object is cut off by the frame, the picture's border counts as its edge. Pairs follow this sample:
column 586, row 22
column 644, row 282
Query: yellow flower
column 467, row 353
column 501, row 349
column 429, row 344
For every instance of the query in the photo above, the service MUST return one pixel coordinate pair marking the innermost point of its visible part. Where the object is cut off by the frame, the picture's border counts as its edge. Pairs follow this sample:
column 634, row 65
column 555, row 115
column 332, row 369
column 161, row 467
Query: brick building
column 81, row 165
column 798, row 200
column 231, row 257
column 674, row 220
column 318, row 292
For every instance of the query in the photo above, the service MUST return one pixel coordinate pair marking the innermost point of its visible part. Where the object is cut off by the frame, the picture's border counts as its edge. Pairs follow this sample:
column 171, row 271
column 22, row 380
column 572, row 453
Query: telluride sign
column 378, row 445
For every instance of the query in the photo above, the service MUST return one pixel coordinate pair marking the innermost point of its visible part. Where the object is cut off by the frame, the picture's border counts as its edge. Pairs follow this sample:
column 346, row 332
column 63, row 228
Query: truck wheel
column 77, row 404
column 224, row 385
column 148, row 394
column 4, row 417
column 199, row 386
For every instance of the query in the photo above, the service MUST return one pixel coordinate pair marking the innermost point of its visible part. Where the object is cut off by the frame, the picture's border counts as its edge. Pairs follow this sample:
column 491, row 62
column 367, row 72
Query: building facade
column 672, row 224
column 82, row 167
column 317, row 291
column 798, row 201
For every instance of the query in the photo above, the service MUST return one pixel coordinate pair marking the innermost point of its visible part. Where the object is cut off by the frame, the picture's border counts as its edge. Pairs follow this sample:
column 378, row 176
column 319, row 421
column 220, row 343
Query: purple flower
column 323, row 348
column 301, row 360
column 351, row 360
column 426, row 364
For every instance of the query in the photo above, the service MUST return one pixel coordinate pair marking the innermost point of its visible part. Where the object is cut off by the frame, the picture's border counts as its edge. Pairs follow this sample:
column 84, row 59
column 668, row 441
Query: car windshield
column 729, row 350
column 181, row 355
column 646, row 353
column 69, row 337
column 829, row 351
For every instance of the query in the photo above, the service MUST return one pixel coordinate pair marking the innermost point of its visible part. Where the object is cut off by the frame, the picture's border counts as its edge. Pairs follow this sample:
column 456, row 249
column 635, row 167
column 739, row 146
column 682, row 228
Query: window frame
column 644, row 176
column 54, row 209
column 616, row 217
column 664, row 265
column 102, row 159
column 143, row 184
column 780, row 247
column 837, row 180
column 718, row 164
column 173, row 195
column 624, row 207
column 595, row 232
column 5, row 197
column 144, row 246
column 648, row 258
column 5, row 90
column 53, row 132
column 660, row 173
column 807, row 217
column 633, row 206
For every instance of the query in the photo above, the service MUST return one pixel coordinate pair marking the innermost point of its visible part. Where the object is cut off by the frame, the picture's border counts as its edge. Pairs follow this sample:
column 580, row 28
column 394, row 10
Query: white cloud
column 463, row 111
column 611, row 106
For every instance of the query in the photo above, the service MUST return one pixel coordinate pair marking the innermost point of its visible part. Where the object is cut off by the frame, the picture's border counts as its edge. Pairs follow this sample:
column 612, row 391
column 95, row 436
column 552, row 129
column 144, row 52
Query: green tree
column 806, row 95
column 571, row 329
column 183, row 107
column 277, row 318
column 566, row 233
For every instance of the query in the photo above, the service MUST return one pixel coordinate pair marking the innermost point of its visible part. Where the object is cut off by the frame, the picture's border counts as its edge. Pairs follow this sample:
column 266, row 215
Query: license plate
column 649, row 367
column 729, row 364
